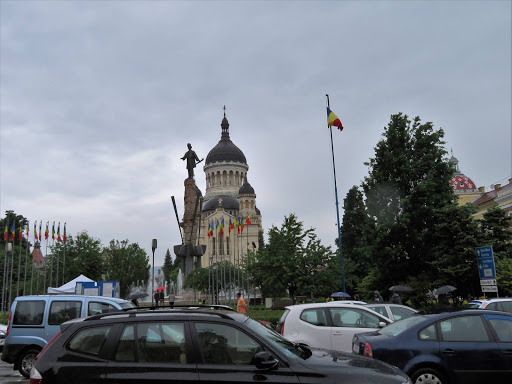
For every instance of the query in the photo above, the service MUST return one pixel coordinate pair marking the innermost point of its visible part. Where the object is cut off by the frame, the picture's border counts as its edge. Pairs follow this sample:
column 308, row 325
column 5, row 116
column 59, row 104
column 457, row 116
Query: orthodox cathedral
column 230, row 220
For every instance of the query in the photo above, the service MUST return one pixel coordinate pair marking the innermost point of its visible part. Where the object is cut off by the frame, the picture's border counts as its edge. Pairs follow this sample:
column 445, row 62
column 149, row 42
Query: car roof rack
column 166, row 309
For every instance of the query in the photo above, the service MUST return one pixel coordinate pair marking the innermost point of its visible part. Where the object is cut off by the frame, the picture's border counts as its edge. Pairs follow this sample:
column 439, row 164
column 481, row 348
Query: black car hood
column 325, row 360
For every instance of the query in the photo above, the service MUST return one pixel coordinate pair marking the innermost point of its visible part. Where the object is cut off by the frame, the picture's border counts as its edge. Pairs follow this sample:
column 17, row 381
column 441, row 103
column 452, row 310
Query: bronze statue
column 191, row 161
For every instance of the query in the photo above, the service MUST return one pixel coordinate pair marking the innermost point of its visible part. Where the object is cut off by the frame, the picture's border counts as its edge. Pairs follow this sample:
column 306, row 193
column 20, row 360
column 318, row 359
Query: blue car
column 470, row 346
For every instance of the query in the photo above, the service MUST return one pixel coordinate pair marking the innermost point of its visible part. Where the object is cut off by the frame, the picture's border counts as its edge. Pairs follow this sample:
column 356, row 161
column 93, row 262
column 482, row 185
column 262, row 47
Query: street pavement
column 9, row 376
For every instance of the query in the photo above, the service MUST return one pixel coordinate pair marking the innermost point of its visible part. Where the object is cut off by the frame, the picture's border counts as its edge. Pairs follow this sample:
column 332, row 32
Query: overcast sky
column 99, row 99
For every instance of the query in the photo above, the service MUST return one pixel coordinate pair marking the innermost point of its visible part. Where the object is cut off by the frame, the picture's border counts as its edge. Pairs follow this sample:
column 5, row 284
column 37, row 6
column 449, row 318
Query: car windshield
column 396, row 328
column 291, row 350
column 127, row 304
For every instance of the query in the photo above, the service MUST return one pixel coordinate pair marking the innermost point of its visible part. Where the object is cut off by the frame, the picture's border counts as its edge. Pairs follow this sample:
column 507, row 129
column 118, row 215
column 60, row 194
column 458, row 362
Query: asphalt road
column 9, row 376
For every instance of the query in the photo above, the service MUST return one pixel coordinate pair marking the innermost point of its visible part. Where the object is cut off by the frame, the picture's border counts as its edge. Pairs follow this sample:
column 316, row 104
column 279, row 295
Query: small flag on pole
column 248, row 220
column 332, row 119
column 35, row 230
column 64, row 237
column 12, row 232
column 46, row 232
column 28, row 230
column 6, row 232
column 21, row 233
column 53, row 230
column 58, row 233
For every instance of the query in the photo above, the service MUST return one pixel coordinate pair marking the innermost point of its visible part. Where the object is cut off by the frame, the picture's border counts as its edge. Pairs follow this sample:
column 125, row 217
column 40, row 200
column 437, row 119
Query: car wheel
column 27, row 360
column 428, row 376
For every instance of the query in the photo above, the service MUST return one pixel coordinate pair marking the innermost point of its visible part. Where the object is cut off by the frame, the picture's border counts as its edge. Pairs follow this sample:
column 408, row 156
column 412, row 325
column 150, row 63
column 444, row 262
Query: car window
column 61, row 311
column 428, row 334
column 349, row 317
column 315, row 316
column 396, row 328
column 507, row 306
column 224, row 344
column 502, row 325
column 463, row 328
column 161, row 342
column 474, row 305
column 380, row 310
column 400, row 313
column 29, row 312
column 89, row 340
column 495, row 306
column 96, row 308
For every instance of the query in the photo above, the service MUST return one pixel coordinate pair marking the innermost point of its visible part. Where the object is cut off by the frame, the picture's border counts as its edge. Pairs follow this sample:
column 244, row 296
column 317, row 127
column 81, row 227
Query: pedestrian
column 171, row 299
column 161, row 297
column 135, row 302
column 378, row 297
column 156, row 295
column 356, row 297
column 241, row 306
column 396, row 299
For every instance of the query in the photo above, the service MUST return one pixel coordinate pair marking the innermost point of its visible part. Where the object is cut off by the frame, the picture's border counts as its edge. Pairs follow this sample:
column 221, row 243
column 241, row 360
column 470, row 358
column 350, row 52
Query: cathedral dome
column 226, row 202
column 225, row 150
column 246, row 189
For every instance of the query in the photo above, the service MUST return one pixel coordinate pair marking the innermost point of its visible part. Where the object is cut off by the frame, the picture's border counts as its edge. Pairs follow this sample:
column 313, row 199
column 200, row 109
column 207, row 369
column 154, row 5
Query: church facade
column 230, row 219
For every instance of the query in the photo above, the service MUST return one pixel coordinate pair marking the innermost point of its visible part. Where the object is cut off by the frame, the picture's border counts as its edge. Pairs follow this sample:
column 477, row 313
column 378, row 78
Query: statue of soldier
column 191, row 161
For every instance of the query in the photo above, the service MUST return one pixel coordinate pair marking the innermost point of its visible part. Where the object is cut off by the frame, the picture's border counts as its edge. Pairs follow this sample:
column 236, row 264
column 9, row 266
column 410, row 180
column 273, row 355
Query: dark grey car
column 194, row 345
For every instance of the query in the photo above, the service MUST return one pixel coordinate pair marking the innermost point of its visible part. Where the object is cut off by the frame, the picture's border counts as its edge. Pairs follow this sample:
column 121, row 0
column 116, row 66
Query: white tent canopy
column 69, row 287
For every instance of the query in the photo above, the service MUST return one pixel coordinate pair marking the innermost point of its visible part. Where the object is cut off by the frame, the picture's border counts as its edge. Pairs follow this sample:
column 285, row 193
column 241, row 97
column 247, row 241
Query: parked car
column 394, row 312
column 2, row 339
column 329, row 325
column 35, row 320
column 496, row 304
column 469, row 346
column 193, row 345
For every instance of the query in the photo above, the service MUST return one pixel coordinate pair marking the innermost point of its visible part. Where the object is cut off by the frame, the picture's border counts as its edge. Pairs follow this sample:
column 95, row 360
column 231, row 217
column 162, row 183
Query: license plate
column 355, row 348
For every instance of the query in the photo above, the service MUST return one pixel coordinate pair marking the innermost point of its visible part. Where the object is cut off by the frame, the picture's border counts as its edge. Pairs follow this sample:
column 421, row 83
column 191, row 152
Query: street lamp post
column 153, row 247
column 5, row 279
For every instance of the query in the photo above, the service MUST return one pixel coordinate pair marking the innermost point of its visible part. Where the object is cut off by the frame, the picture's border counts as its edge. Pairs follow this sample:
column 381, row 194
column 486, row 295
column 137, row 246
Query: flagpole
column 64, row 257
column 19, row 265
column 12, row 263
column 26, row 258
column 45, row 258
column 6, row 263
column 58, row 255
column 337, row 207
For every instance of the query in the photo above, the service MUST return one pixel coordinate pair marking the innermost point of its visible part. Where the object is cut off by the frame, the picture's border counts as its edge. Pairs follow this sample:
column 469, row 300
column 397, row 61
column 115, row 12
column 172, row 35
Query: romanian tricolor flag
column 221, row 227
column 53, row 230
column 35, row 230
column 64, row 236
column 40, row 227
column 248, row 220
column 6, row 232
column 242, row 224
column 332, row 119
column 210, row 228
column 21, row 233
column 46, row 232
column 12, row 232
column 28, row 229
column 231, row 225
column 58, row 233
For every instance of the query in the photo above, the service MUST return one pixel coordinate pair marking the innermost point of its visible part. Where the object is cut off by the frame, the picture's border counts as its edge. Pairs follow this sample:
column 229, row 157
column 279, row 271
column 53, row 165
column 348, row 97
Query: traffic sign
column 489, row 288
column 485, row 261
column 488, row 282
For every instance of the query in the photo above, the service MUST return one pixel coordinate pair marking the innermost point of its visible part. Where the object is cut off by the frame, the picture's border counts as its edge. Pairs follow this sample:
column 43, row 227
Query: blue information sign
column 485, row 261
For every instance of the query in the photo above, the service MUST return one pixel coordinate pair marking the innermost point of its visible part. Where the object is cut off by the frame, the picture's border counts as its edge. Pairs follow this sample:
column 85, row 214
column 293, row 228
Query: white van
column 35, row 320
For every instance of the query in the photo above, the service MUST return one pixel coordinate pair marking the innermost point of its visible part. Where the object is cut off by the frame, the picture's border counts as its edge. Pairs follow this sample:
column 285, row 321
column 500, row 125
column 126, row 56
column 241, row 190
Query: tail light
column 282, row 329
column 47, row 345
column 368, row 350
column 8, row 325
column 35, row 376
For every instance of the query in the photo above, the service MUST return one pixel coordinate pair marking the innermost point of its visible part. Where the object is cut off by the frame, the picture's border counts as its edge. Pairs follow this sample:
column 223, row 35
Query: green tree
column 167, row 267
column 133, row 259
column 495, row 226
column 290, row 260
column 357, row 231
column 457, row 235
column 83, row 255
column 408, row 183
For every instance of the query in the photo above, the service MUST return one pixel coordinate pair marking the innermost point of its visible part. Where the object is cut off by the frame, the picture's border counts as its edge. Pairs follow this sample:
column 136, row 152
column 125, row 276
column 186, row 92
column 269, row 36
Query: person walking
column 396, row 299
column 241, row 306
column 378, row 297
column 156, row 295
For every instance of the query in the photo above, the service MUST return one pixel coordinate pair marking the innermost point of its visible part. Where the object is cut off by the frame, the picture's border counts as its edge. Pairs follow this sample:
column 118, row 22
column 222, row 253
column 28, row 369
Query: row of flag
column 36, row 236
column 237, row 222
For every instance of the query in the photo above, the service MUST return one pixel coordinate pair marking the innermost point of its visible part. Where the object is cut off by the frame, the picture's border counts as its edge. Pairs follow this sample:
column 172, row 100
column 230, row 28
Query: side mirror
column 265, row 360
column 382, row 324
